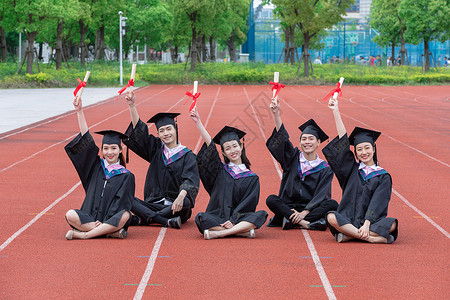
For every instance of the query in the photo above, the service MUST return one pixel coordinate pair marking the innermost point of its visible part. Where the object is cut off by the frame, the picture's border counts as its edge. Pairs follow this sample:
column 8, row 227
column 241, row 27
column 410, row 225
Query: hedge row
column 107, row 74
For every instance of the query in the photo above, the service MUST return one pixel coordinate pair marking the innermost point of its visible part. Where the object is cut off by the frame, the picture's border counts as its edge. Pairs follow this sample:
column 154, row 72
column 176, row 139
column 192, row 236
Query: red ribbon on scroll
column 278, row 86
column 80, row 85
column 130, row 83
column 336, row 90
column 194, row 99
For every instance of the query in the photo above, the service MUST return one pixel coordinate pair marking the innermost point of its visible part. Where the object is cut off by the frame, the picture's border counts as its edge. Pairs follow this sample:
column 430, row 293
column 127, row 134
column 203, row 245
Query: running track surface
column 39, row 185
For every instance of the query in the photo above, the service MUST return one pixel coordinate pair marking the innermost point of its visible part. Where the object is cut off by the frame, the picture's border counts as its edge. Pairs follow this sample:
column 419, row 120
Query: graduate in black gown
column 109, row 186
column 305, row 192
column 172, row 181
column 366, row 187
column 233, row 188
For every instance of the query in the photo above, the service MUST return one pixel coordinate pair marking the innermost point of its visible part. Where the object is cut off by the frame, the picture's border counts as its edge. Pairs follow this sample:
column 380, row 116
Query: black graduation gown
column 165, row 178
column 363, row 197
column 106, row 198
column 297, row 190
column 234, row 197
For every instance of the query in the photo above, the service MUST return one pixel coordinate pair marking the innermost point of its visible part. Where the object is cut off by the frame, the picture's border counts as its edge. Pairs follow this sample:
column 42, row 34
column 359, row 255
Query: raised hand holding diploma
column 335, row 92
column 194, row 96
column 131, row 81
column 80, row 88
column 276, row 86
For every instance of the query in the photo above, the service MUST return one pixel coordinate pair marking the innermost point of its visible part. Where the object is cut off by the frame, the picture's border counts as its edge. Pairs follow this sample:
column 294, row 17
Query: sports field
column 39, row 184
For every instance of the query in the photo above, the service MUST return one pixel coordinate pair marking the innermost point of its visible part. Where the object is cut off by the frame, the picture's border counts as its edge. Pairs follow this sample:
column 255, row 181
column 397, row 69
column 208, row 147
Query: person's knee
column 71, row 216
column 331, row 218
column 271, row 200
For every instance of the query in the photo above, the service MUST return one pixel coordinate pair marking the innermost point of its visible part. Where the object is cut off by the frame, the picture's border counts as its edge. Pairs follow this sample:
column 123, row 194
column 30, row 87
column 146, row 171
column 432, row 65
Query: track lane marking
column 18, row 232
column 317, row 263
column 72, row 136
column 152, row 260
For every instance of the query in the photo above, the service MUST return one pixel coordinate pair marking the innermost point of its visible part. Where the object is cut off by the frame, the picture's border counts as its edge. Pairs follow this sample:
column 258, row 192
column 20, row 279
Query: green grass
column 107, row 74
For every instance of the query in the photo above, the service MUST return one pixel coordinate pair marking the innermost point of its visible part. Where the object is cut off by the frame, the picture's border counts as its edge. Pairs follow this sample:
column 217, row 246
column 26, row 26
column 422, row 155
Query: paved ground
column 20, row 107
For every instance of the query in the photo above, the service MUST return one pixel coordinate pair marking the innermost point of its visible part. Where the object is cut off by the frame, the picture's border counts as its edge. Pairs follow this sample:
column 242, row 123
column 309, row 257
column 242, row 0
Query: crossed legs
column 92, row 229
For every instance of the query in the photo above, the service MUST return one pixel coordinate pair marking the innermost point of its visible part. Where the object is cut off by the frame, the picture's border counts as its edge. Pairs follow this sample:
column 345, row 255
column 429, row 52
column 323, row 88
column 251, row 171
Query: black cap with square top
column 228, row 134
column 111, row 137
column 361, row 135
column 311, row 127
column 163, row 119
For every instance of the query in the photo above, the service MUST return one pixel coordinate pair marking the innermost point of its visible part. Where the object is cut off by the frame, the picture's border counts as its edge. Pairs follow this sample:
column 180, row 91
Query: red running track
column 39, row 185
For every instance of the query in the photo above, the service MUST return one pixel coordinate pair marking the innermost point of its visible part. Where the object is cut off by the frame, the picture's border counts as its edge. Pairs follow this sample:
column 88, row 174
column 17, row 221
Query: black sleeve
column 380, row 199
column 140, row 142
column 323, row 189
column 281, row 148
column 190, row 180
column 209, row 164
column 340, row 158
column 83, row 153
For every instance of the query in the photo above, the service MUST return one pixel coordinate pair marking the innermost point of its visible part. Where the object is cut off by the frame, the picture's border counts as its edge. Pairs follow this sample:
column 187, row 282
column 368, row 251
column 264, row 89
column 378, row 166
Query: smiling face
column 309, row 143
column 168, row 135
column 233, row 151
column 111, row 153
column 364, row 153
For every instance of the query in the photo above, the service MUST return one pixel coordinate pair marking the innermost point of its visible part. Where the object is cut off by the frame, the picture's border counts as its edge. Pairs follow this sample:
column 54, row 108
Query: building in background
column 348, row 40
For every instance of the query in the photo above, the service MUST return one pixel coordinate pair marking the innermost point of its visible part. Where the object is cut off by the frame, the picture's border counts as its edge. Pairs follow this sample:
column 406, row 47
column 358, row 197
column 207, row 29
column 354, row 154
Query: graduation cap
column 228, row 134
column 311, row 127
column 361, row 135
column 112, row 137
column 162, row 119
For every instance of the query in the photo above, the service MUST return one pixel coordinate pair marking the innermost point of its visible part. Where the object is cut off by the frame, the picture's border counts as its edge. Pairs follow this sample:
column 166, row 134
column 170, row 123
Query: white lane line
column 18, row 232
column 384, row 134
column 421, row 213
column 152, row 260
column 151, row 263
column 323, row 276
column 71, row 137
column 397, row 193
column 62, row 116
column 320, row 270
column 15, row 235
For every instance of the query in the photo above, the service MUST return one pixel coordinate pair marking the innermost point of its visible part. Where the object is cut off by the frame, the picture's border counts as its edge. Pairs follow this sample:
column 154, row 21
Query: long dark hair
column 375, row 159
column 244, row 157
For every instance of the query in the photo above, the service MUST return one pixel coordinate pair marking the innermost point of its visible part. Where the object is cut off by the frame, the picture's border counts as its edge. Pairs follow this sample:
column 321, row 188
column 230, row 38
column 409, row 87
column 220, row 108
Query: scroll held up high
column 131, row 81
column 78, row 92
column 194, row 96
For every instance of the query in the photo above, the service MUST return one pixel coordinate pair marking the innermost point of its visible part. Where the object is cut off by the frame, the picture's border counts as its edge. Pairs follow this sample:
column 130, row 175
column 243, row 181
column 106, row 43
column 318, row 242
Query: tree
column 385, row 18
column 235, row 15
column 31, row 16
column 312, row 17
column 6, row 24
column 426, row 20
column 198, row 12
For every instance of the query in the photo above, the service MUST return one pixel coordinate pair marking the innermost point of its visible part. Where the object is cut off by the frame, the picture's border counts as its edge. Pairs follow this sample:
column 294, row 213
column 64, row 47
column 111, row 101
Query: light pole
column 121, row 32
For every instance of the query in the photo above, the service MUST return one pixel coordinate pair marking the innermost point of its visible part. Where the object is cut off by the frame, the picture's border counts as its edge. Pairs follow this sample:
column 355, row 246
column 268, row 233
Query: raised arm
column 275, row 108
column 77, row 103
column 196, row 118
column 131, row 99
column 333, row 105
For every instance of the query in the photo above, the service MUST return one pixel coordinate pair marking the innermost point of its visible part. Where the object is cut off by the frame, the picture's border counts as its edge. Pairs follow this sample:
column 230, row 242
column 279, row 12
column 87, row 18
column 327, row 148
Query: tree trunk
column 292, row 47
column 205, row 49
column 193, row 49
column 59, row 53
column 427, row 55
column 31, row 37
column 306, row 57
column 3, row 44
column 174, row 54
column 393, row 54
column 83, row 31
column 402, row 49
column 212, row 49
column 286, row 51
column 40, row 52
column 232, row 47
column 100, row 43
